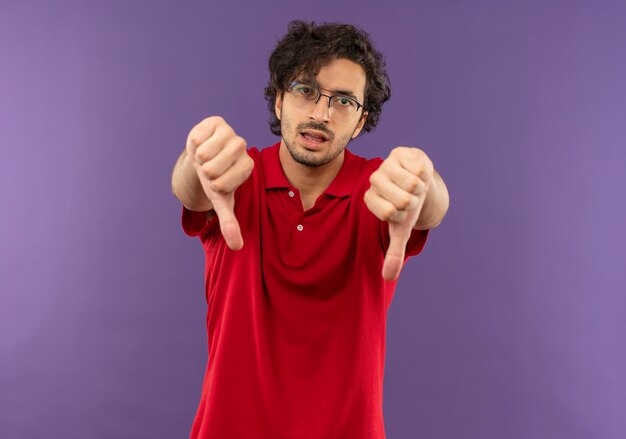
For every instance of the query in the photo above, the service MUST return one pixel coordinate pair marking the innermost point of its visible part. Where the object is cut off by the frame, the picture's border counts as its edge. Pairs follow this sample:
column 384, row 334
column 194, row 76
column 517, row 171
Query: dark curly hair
column 307, row 47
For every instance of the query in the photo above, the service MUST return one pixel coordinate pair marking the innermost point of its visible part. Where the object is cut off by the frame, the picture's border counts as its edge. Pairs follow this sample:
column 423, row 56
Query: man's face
column 301, row 127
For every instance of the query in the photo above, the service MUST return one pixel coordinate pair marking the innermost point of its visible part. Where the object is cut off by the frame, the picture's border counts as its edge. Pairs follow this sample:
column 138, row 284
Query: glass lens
column 304, row 92
column 341, row 107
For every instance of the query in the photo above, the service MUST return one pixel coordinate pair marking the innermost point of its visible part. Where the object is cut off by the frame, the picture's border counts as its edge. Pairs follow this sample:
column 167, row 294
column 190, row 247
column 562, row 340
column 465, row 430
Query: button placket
column 296, row 228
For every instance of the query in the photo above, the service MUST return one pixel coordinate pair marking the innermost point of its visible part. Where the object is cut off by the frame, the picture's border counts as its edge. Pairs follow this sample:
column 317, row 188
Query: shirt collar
column 274, row 175
column 341, row 186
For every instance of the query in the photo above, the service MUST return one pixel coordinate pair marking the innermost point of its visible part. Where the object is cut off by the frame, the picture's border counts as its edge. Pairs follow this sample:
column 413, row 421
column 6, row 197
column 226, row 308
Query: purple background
column 512, row 322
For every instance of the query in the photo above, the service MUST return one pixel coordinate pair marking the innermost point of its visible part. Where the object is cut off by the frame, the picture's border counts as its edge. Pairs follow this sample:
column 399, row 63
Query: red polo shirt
column 296, row 318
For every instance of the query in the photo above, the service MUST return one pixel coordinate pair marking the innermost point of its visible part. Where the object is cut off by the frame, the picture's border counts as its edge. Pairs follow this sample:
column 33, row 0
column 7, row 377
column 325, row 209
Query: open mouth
column 314, row 137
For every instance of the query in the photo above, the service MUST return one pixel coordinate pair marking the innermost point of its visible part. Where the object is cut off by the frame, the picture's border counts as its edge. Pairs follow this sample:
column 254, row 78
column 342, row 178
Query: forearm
column 435, row 205
column 186, row 186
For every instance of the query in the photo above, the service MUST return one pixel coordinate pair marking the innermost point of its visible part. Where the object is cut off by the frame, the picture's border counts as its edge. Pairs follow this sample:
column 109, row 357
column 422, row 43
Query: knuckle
column 195, row 138
column 400, row 151
column 413, row 184
column 240, row 143
column 416, row 152
column 217, row 186
column 209, row 171
column 214, row 120
column 388, row 212
column 201, row 155
column 418, row 168
column 420, row 189
column 375, row 178
column 404, row 202
column 390, row 162
column 205, row 159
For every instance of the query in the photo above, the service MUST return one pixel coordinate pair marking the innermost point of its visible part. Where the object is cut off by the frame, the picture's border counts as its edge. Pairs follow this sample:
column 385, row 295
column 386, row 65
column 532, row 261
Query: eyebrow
column 344, row 92
column 337, row 92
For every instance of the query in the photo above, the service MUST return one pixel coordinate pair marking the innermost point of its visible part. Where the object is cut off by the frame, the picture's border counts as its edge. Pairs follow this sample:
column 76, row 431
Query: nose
column 321, row 109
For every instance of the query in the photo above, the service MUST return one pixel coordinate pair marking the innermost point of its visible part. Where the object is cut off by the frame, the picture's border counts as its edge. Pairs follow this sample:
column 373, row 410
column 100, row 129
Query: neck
column 310, row 181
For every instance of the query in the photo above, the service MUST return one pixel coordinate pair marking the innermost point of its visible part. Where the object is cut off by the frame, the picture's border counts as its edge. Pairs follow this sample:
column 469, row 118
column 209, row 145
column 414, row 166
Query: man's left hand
column 396, row 195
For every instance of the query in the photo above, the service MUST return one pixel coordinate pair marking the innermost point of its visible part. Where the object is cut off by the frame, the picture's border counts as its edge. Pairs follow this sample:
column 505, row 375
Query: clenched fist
column 220, row 159
column 396, row 195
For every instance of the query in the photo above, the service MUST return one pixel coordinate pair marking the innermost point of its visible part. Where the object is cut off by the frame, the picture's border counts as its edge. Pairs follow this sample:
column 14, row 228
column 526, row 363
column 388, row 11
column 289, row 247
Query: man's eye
column 305, row 90
column 345, row 102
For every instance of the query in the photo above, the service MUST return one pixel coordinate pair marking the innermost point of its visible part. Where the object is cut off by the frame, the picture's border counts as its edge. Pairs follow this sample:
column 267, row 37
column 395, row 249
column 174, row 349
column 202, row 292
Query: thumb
column 399, row 234
column 224, row 205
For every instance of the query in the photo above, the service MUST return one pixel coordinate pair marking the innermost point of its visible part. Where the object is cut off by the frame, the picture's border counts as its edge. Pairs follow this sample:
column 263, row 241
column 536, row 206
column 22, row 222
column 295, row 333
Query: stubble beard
column 310, row 159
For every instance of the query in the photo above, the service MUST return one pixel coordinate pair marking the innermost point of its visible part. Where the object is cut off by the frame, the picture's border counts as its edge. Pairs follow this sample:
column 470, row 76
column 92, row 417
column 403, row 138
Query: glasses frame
column 320, row 94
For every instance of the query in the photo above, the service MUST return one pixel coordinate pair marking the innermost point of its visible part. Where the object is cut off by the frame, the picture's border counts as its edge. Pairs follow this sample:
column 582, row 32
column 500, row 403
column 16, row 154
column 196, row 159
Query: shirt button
column 299, row 227
column 291, row 194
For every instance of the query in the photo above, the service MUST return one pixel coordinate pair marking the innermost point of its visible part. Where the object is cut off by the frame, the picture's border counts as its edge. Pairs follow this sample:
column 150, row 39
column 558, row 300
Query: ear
column 359, row 126
column 278, row 105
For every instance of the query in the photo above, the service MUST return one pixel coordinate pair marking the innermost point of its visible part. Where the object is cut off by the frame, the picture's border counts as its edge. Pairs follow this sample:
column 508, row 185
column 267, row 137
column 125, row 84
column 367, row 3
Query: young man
column 304, row 241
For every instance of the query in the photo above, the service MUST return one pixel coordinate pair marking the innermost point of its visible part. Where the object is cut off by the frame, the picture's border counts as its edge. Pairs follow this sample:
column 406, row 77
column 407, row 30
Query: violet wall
column 511, row 324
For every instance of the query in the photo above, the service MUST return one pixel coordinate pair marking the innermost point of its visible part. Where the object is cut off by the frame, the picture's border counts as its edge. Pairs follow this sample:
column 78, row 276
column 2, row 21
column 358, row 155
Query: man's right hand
column 222, row 164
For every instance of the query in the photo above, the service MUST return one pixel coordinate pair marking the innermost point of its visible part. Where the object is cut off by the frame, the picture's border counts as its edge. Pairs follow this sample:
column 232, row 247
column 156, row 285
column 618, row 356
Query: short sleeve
column 195, row 223
column 414, row 246
column 417, row 241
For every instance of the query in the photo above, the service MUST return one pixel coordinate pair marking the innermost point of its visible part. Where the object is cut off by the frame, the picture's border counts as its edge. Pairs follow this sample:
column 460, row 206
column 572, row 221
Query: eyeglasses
column 341, row 107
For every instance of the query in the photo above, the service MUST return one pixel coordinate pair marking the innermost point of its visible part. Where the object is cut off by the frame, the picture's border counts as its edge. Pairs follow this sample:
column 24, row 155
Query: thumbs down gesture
column 398, row 189
column 222, row 164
